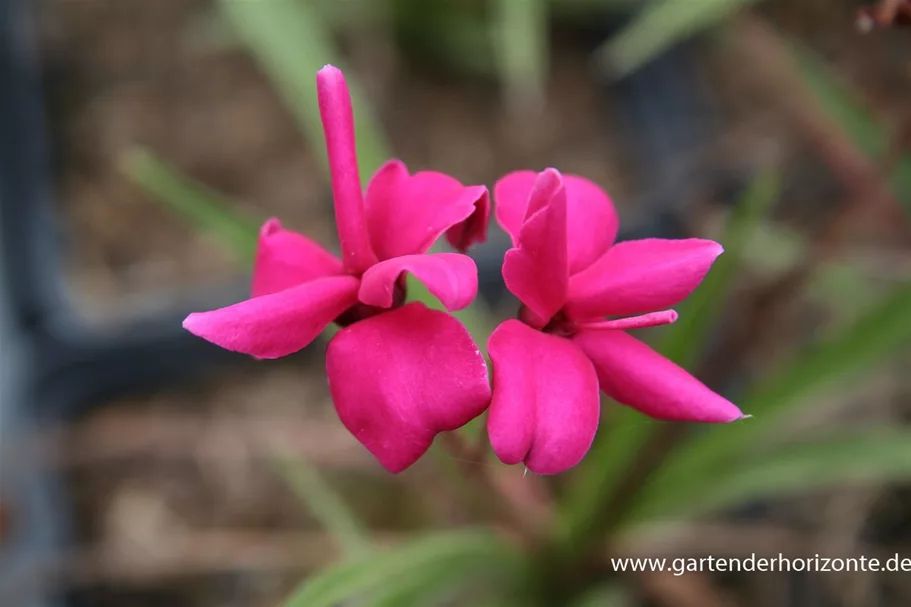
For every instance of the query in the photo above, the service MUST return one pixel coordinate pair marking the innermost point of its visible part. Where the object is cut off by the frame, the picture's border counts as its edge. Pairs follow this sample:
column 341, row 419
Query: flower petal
column 633, row 374
column 338, row 126
column 401, row 377
column 278, row 324
column 452, row 278
column 536, row 271
column 285, row 259
column 640, row 276
column 406, row 213
column 510, row 196
column 591, row 218
column 545, row 404
column 591, row 221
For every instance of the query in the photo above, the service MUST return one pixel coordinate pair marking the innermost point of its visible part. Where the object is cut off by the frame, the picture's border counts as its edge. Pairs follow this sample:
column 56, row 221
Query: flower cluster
column 401, row 373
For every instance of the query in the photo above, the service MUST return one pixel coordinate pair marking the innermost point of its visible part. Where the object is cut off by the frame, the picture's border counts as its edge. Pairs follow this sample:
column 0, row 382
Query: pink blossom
column 398, row 374
column 570, row 276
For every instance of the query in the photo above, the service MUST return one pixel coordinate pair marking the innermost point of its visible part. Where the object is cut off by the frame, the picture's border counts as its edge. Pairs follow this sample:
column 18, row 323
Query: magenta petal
column 640, row 276
column 338, row 126
column 452, row 278
column 401, row 377
column 406, row 213
column 278, row 324
column 590, row 215
column 592, row 222
column 633, row 374
column 536, row 271
column 472, row 229
column 545, row 404
column 510, row 196
column 285, row 259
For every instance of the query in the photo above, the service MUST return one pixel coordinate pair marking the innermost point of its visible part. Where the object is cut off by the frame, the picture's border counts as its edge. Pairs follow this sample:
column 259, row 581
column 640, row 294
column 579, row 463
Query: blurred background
column 144, row 141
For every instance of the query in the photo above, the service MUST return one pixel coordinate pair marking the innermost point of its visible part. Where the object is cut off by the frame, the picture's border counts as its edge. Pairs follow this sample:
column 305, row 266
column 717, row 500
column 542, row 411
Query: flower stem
column 518, row 508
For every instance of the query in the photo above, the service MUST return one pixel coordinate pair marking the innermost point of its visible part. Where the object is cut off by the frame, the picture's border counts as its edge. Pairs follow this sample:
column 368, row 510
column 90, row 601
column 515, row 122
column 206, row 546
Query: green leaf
column 873, row 337
column 610, row 594
column 858, row 123
column 520, row 37
column 622, row 437
column 207, row 211
column 659, row 26
column 472, row 553
column 439, row 583
column 291, row 43
column 324, row 504
column 874, row 455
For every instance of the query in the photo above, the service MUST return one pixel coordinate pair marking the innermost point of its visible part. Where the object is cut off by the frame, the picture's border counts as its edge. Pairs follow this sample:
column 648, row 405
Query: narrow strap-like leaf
column 206, row 210
column 358, row 577
column 874, row 336
column 875, row 455
column 324, row 504
column 657, row 27
column 291, row 42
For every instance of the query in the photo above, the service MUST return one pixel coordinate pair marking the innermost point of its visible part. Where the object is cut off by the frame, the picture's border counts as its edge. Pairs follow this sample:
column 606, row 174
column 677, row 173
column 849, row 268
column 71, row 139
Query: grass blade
column 860, row 126
column 659, row 26
column 471, row 552
column 324, row 504
column 291, row 43
column 876, row 455
column 207, row 211
column 873, row 337
column 520, row 37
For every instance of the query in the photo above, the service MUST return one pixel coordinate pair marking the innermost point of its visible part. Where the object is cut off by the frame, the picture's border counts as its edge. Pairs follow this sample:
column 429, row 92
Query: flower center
column 360, row 311
column 558, row 325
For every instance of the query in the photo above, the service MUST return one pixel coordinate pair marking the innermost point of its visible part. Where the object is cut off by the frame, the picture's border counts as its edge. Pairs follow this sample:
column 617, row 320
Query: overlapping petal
column 510, row 196
column 632, row 373
column 591, row 218
column 400, row 378
column 285, row 259
column 451, row 277
column 277, row 324
column 406, row 213
column 545, row 404
column 338, row 126
column 536, row 270
column 641, row 276
column 591, row 222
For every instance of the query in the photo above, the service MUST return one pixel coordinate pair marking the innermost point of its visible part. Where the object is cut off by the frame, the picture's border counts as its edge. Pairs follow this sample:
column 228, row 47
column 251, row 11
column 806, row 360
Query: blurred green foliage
column 416, row 569
column 290, row 41
column 706, row 470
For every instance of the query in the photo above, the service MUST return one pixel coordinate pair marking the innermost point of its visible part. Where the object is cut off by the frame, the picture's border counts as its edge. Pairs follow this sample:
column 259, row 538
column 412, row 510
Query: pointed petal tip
column 329, row 71
column 552, row 173
column 270, row 227
column 190, row 322
column 473, row 230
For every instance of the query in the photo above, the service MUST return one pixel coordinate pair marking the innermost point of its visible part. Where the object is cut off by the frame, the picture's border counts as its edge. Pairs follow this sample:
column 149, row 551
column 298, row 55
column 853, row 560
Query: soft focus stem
column 516, row 508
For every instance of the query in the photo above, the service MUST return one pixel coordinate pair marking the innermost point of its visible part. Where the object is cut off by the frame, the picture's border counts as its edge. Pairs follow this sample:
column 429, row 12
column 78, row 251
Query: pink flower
column 398, row 374
column 569, row 276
